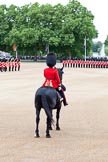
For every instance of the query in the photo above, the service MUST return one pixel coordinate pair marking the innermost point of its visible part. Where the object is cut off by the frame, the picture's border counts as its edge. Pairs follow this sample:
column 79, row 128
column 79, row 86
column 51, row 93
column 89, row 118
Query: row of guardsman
column 12, row 64
column 85, row 64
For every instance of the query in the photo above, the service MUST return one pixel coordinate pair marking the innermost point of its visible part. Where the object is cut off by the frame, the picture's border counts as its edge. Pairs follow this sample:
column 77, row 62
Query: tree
column 96, row 46
column 82, row 26
column 106, row 46
column 4, row 27
column 62, row 28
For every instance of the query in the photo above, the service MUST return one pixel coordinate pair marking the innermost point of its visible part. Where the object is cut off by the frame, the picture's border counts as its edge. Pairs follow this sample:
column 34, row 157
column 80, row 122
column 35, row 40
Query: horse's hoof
column 36, row 136
column 50, row 128
column 58, row 128
column 48, row 136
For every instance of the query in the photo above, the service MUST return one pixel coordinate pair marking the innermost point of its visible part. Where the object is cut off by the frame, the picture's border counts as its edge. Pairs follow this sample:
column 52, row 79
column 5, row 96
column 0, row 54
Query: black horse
column 48, row 98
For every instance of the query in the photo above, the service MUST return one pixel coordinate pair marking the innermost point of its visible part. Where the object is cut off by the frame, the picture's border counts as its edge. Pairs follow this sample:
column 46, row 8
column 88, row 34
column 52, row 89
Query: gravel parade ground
column 84, row 122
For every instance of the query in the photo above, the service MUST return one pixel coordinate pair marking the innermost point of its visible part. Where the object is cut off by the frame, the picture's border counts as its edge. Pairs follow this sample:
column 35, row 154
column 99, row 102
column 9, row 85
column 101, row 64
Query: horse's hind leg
column 37, row 122
column 47, row 129
column 50, row 125
column 57, row 119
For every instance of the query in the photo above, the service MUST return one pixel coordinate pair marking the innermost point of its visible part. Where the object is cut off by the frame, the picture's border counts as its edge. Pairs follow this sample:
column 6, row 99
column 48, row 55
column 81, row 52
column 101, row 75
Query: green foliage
column 106, row 46
column 31, row 27
column 106, row 50
column 96, row 46
column 106, row 41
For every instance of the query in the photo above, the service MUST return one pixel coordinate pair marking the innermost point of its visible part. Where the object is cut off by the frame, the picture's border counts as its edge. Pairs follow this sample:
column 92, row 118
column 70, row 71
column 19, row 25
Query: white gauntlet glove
column 59, row 88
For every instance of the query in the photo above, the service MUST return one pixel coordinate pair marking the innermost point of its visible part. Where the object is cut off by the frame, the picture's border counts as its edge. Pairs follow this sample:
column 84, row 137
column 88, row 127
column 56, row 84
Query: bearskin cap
column 51, row 59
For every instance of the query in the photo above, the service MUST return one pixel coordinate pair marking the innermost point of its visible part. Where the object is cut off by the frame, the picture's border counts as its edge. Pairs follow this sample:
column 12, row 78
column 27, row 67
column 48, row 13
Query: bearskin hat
column 51, row 59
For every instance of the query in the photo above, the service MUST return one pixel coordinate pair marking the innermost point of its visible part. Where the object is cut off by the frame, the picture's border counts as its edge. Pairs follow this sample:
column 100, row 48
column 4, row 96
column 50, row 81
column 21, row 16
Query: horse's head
column 60, row 72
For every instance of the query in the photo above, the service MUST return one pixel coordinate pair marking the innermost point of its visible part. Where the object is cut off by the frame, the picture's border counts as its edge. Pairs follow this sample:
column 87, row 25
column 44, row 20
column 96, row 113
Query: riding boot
column 65, row 102
column 64, row 98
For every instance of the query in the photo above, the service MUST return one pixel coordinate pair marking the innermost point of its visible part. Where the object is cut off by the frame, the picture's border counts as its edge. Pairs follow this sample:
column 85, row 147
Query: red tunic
column 52, row 77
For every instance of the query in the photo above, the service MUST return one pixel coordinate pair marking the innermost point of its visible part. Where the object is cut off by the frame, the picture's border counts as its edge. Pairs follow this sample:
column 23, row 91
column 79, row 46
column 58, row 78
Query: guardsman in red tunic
column 9, row 64
column 51, row 75
column 5, row 65
column 18, row 64
column 15, row 63
column 0, row 65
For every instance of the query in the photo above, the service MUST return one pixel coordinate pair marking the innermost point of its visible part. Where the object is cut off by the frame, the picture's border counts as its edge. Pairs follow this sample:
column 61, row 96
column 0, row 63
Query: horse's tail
column 47, row 108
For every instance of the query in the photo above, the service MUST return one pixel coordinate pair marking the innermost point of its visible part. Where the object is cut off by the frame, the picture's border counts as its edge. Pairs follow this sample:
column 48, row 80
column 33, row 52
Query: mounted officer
column 51, row 75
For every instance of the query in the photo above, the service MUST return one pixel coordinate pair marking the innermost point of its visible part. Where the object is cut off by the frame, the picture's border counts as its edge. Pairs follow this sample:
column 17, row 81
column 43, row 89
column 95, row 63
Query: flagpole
column 16, row 53
column 85, row 47
column 15, row 49
column 48, row 47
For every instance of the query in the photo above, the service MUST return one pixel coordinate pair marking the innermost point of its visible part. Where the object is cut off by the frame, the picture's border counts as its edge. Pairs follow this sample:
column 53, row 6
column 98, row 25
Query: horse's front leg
column 37, row 122
column 47, row 128
column 57, row 119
